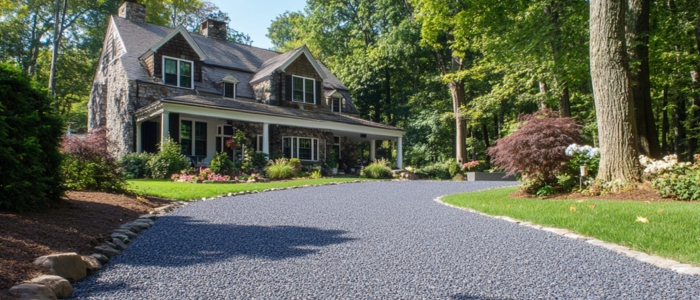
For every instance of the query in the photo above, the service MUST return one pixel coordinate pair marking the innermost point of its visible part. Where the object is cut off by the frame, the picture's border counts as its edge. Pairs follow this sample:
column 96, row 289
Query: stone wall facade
column 133, row 11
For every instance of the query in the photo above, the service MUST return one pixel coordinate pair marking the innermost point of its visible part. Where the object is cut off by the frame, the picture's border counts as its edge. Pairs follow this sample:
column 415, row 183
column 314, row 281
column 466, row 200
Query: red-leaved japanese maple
column 536, row 150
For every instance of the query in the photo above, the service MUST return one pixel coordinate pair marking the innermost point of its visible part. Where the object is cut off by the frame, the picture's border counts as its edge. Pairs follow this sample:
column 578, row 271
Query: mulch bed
column 644, row 193
column 81, row 222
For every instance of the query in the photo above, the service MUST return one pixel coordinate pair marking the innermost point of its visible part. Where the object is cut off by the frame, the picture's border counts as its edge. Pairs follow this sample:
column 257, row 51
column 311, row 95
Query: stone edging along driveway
column 651, row 259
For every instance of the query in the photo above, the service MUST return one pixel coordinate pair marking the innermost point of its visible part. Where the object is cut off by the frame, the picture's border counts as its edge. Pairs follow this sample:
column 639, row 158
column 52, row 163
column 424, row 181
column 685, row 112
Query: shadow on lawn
column 181, row 241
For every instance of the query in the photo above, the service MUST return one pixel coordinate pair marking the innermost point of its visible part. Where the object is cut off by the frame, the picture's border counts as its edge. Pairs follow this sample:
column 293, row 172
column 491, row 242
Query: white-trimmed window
column 336, row 105
column 178, row 72
column 229, row 90
column 303, row 89
column 300, row 147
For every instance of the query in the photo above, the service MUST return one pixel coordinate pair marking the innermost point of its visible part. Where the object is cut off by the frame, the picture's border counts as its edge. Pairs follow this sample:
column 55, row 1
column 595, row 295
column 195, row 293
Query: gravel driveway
column 381, row 240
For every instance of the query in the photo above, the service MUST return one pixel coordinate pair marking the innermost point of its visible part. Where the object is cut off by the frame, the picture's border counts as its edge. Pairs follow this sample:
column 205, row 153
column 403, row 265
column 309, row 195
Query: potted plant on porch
column 235, row 140
column 332, row 162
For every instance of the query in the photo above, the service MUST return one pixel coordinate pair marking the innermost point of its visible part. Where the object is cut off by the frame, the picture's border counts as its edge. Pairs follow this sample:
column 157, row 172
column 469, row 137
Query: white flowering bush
column 673, row 179
column 580, row 155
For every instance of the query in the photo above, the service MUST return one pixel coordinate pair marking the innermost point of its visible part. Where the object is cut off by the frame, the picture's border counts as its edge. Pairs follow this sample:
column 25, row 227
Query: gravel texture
column 380, row 240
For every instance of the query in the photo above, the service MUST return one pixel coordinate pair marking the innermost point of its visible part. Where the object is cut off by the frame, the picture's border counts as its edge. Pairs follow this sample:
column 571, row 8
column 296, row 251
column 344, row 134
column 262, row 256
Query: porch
column 203, row 131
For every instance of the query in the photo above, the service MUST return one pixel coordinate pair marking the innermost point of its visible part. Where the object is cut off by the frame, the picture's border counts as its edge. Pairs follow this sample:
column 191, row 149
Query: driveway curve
column 379, row 240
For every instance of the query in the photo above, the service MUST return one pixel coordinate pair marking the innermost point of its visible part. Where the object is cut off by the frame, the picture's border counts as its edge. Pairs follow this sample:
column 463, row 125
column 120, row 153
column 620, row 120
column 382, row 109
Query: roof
column 251, row 106
column 139, row 38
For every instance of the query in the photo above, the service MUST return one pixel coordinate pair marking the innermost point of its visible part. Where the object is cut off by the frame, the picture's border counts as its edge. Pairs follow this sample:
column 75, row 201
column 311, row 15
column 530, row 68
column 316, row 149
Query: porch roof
column 247, row 106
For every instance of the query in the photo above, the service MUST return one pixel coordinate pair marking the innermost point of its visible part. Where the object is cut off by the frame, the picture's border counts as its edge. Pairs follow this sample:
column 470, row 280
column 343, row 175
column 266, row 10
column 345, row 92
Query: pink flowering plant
column 470, row 166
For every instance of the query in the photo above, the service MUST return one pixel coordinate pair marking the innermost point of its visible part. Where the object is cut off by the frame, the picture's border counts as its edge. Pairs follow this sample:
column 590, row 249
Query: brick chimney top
column 133, row 11
column 213, row 29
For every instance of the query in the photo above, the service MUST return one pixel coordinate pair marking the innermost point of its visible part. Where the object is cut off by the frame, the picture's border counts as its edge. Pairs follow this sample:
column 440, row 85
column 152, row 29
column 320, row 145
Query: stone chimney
column 133, row 11
column 213, row 29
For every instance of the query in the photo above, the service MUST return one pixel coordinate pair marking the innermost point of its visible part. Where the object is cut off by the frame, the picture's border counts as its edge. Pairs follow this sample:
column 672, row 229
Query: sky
column 253, row 17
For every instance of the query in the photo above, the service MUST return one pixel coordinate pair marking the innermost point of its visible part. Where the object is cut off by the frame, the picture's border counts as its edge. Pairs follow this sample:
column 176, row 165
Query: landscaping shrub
column 453, row 167
column 377, row 170
column 315, row 175
column 295, row 163
column 89, row 166
column 673, row 179
column 435, row 171
column 30, row 131
column 279, row 169
column 535, row 151
column 134, row 165
column 168, row 160
column 221, row 164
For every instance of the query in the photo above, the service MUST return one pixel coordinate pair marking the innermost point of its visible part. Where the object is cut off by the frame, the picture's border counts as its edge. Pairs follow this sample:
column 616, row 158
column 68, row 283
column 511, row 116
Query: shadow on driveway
column 181, row 241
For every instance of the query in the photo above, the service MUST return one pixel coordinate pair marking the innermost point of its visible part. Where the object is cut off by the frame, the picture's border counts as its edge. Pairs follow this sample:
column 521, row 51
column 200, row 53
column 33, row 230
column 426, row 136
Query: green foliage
column 377, row 170
column 221, row 164
column 435, row 171
column 681, row 181
column 89, row 166
column 453, row 167
column 168, row 160
column 295, row 164
column 30, row 134
column 545, row 191
column 253, row 160
column 279, row 169
column 135, row 166
column 331, row 160
column 315, row 175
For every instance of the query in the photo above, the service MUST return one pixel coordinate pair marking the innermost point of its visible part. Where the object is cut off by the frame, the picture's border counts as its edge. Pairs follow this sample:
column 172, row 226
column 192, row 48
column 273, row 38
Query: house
column 154, row 83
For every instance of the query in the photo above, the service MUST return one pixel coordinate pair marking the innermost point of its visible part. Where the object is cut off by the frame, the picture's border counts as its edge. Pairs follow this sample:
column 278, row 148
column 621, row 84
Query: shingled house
column 155, row 82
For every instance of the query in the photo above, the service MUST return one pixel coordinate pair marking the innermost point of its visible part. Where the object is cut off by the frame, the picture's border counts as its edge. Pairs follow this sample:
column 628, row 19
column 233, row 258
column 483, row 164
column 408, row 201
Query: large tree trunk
column 458, row 95
column 638, row 40
column 679, row 115
column 612, row 92
column 564, row 100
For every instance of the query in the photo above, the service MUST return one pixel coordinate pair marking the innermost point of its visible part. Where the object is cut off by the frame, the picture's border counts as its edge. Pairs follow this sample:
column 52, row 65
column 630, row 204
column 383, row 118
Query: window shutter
column 288, row 87
column 319, row 92
column 175, row 127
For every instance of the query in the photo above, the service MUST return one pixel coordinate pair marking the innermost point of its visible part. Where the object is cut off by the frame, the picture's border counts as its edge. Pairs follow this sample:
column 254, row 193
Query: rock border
column 658, row 261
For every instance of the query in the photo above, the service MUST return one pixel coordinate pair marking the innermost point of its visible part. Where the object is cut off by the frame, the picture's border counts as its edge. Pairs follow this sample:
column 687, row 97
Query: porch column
column 399, row 152
column 266, row 139
column 373, row 150
column 139, row 146
column 164, row 127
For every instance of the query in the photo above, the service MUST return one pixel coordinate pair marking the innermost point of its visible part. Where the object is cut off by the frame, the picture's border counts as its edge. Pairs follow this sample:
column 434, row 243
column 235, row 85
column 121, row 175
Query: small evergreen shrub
column 546, row 191
column 30, row 137
column 221, row 164
column 536, row 150
column 377, row 170
column 168, row 160
column 279, row 169
column 453, row 167
column 315, row 175
column 134, row 165
column 89, row 166
column 435, row 171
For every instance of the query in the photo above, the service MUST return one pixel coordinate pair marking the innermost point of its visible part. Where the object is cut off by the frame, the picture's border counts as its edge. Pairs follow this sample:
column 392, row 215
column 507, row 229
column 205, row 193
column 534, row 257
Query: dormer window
column 229, row 90
column 335, row 105
column 304, row 90
column 178, row 72
column 228, row 86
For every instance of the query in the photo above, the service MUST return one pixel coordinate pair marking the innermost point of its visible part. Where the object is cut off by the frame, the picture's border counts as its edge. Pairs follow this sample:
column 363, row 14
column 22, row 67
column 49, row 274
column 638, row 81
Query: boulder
column 92, row 265
column 67, row 265
column 58, row 285
column 33, row 291
column 147, row 221
column 107, row 250
column 108, row 243
column 120, row 245
column 149, row 216
column 131, row 227
column 126, row 232
column 121, row 236
column 101, row 258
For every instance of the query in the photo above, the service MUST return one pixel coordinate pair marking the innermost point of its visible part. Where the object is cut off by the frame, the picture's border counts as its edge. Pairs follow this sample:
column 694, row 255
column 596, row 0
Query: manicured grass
column 673, row 230
column 187, row 191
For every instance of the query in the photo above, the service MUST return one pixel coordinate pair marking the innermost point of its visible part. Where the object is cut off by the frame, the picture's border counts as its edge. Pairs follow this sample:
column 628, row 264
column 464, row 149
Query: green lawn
column 673, row 230
column 187, row 191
